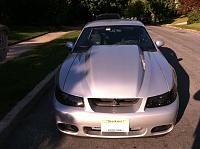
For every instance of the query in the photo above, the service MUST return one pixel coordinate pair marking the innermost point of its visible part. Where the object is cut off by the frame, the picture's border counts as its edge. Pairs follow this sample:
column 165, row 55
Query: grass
column 180, row 20
column 17, row 34
column 195, row 26
column 20, row 75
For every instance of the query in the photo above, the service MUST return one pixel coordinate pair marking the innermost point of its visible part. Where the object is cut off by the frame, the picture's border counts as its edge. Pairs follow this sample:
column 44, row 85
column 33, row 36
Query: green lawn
column 195, row 26
column 17, row 34
column 20, row 75
column 180, row 20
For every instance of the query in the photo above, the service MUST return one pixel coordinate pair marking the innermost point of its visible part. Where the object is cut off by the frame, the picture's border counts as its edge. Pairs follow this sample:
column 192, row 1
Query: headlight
column 67, row 99
column 162, row 100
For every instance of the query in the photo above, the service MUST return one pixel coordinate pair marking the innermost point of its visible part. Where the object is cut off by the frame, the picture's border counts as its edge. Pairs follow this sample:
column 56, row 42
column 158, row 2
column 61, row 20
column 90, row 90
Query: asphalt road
column 182, row 49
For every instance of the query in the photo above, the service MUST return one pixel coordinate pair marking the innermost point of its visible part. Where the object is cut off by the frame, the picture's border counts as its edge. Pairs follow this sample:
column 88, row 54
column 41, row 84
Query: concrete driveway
column 182, row 49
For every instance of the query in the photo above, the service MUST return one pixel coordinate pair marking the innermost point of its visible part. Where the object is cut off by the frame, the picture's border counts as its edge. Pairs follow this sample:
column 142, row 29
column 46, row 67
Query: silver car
column 115, row 84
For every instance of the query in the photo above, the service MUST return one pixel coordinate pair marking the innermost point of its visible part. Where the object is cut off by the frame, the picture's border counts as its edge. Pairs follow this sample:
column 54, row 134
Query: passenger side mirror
column 70, row 45
column 159, row 43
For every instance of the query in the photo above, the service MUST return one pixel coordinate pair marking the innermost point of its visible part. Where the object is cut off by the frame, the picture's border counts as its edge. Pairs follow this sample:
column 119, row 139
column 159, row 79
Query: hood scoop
column 114, row 71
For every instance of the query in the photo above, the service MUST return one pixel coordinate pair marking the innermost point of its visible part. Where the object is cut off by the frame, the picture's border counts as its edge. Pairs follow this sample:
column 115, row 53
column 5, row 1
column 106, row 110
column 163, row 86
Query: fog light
column 161, row 128
column 67, row 127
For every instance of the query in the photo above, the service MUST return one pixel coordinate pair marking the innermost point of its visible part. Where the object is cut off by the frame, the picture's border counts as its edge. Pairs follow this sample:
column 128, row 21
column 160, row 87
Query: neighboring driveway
column 22, row 47
column 182, row 50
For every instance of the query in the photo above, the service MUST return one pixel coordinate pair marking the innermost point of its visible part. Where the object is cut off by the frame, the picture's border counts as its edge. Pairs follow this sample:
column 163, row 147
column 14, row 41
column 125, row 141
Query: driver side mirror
column 70, row 45
column 159, row 43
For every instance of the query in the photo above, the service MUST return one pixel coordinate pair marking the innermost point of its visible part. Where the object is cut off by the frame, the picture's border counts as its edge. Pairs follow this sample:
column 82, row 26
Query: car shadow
column 196, row 144
column 197, row 96
column 182, row 79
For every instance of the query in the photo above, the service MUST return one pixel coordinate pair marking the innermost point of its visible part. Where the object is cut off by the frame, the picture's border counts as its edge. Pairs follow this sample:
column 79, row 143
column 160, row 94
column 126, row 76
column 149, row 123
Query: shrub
column 194, row 17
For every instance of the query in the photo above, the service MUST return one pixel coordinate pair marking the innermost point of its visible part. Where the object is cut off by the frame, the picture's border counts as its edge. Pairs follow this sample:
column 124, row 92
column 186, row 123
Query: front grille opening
column 113, row 105
column 86, row 129
column 97, row 131
column 103, row 102
column 161, row 128
column 67, row 127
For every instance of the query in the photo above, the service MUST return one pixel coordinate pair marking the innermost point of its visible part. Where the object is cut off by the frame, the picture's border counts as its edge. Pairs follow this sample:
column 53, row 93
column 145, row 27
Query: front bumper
column 88, row 123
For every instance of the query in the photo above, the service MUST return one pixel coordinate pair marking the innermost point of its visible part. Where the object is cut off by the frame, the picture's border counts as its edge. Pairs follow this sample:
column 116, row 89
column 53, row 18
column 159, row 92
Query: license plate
column 115, row 125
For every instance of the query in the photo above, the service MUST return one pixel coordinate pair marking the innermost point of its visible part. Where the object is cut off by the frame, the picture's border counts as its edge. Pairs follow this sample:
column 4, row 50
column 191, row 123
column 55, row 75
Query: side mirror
column 70, row 45
column 159, row 43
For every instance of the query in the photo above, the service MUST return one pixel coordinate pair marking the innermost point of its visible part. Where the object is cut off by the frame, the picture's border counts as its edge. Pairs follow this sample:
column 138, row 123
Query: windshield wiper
column 83, row 48
column 146, row 48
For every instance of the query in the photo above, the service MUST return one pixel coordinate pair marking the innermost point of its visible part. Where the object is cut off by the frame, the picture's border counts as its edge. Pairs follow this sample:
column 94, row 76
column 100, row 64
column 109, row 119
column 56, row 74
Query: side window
column 83, row 41
column 144, row 39
column 84, row 38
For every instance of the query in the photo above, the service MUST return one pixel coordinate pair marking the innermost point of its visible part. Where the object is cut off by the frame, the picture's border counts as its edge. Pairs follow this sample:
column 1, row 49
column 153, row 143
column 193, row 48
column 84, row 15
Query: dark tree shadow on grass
column 39, row 125
column 20, row 75
column 182, row 78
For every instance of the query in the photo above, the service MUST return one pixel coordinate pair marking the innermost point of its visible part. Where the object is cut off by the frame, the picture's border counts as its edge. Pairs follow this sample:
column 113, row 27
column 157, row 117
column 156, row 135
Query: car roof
column 108, row 16
column 113, row 22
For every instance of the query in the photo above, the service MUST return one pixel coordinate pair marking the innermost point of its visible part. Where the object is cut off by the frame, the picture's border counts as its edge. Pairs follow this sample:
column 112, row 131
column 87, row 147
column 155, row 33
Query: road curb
column 12, row 118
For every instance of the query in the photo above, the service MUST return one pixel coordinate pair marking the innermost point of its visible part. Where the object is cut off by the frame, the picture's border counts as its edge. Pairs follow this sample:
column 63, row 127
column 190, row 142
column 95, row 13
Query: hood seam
column 69, row 70
column 161, row 71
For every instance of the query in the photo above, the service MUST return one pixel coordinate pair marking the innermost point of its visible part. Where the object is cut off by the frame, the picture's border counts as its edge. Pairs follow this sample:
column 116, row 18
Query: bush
column 194, row 17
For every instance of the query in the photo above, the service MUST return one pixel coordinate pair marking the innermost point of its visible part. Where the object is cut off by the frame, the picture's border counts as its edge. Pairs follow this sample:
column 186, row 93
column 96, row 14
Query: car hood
column 116, row 71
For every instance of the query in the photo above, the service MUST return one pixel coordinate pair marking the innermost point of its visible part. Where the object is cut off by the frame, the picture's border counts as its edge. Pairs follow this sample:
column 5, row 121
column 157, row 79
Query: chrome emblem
column 115, row 102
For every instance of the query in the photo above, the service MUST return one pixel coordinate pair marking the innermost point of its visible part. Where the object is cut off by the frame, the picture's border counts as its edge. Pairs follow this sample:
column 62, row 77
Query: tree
column 135, row 9
column 55, row 12
column 96, row 7
column 188, row 5
column 162, row 9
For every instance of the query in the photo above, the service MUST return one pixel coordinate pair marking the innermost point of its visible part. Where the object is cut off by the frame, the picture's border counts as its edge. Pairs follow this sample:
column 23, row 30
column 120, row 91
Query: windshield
column 114, row 35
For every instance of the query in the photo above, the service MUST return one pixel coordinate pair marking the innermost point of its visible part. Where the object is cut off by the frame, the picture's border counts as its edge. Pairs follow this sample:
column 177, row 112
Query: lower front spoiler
column 88, row 132
column 152, row 122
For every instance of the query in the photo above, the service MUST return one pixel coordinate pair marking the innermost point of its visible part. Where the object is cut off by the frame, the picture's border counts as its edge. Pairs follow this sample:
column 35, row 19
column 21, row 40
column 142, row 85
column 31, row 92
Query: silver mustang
column 115, row 84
